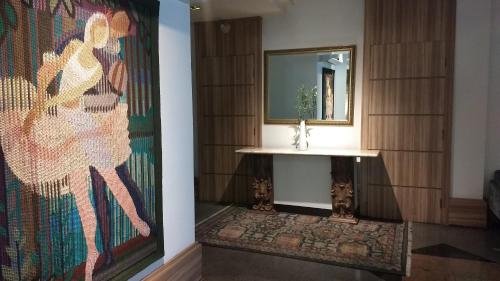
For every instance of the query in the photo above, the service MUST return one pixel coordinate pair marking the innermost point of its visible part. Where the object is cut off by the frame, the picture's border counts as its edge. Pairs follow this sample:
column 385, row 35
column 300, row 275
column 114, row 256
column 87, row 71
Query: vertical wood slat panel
column 234, row 163
column 409, row 60
column 393, row 21
column 407, row 93
column 410, row 96
column 411, row 169
column 409, row 133
column 415, row 204
column 231, row 70
column 229, row 96
column 228, row 101
column 205, row 40
column 234, row 130
column 224, row 188
column 468, row 212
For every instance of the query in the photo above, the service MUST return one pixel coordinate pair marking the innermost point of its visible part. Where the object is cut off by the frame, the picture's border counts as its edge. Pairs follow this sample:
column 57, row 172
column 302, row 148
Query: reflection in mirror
column 329, row 69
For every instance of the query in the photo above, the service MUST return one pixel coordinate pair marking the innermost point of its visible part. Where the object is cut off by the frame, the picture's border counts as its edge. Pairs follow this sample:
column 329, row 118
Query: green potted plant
column 306, row 105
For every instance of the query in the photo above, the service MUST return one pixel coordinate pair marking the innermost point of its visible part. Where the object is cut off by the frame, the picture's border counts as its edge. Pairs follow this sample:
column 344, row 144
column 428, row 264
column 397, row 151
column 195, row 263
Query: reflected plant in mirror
column 306, row 102
column 330, row 70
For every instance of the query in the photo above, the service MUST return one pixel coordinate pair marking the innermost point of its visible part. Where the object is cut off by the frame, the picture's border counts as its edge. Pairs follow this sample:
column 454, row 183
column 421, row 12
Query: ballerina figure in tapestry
column 329, row 97
column 57, row 140
column 102, row 98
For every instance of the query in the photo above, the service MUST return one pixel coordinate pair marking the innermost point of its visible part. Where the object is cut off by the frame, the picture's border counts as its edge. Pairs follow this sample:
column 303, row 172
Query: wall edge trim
column 185, row 266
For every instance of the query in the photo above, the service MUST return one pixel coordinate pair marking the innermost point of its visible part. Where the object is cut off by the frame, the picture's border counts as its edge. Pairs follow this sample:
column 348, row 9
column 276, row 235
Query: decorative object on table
column 263, row 183
column 80, row 185
column 303, row 134
column 342, row 191
column 306, row 105
column 382, row 247
column 328, row 79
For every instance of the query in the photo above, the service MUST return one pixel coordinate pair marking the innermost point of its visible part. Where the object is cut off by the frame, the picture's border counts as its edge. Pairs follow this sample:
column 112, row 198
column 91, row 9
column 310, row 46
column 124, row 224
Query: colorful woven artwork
column 79, row 180
column 382, row 247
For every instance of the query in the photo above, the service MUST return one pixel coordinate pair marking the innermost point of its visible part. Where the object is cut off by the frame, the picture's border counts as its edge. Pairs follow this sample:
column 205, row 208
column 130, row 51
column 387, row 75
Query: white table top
column 310, row 152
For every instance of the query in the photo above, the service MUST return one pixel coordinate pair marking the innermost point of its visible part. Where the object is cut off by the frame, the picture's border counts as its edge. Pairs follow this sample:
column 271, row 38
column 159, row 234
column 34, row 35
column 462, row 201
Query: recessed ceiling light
column 195, row 7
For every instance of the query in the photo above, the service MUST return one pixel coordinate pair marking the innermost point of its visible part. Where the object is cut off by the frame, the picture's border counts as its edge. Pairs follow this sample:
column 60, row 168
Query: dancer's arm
column 47, row 72
column 72, row 94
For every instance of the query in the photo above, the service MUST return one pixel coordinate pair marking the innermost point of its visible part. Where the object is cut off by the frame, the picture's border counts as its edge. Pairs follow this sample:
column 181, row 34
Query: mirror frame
column 352, row 67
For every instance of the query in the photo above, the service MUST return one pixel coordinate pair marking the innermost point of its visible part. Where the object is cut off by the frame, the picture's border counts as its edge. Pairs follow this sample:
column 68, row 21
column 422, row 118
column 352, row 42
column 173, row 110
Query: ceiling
column 230, row 9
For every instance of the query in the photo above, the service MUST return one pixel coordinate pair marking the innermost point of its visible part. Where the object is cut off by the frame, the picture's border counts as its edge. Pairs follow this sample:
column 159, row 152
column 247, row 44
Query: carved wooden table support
column 262, row 186
column 342, row 190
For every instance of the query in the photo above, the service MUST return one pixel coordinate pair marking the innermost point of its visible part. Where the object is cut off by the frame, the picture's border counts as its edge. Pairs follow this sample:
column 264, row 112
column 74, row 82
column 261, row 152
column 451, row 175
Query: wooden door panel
column 233, row 163
column 244, row 69
column 402, row 203
column 228, row 101
column 234, row 130
column 228, row 77
column 227, row 71
column 409, row 60
column 406, row 108
column 205, row 40
column 412, row 169
column 410, row 133
column 224, row 188
column 407, row 96
column 243, row 39
column 468, row 212
column 379, row 202
column 249, row 38
column 416, row 20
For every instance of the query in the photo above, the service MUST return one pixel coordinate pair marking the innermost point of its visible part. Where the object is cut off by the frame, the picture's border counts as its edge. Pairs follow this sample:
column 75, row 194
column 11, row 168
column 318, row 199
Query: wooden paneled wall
column 467, row 212
column 228, row 82
column 407, row 103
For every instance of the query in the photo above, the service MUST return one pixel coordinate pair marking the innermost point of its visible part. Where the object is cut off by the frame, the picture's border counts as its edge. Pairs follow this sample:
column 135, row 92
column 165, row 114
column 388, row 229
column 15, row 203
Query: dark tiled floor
column 447, row 251
column 471, row 249
column 480, row 242
column 230, row 265
column 430, row 268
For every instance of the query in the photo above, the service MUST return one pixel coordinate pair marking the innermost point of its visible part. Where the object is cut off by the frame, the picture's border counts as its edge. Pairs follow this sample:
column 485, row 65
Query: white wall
column 340, row 112
column 493, row 128
column 472, row 56
column 195, row 103
column 177, row 130
column 313, row 23
column 476, row 105
column 318, row 23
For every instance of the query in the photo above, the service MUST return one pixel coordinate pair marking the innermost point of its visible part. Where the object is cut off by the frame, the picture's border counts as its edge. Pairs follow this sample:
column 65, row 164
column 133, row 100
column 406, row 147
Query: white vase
column 302, row 135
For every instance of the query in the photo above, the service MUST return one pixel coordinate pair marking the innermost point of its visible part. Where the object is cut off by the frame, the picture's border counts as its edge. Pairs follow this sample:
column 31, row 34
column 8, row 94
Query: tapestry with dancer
column 77, row 132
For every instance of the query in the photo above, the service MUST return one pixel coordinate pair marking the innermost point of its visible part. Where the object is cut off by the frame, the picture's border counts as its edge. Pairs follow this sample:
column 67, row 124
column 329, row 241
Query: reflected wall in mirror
column 329, row 69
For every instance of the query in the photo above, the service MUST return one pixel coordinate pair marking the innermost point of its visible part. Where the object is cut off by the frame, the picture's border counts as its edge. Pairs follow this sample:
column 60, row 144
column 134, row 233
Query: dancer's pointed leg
column 79, row 188
column 123, row 197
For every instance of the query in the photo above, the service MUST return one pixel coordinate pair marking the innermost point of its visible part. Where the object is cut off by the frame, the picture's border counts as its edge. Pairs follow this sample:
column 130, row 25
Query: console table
column 342, row 190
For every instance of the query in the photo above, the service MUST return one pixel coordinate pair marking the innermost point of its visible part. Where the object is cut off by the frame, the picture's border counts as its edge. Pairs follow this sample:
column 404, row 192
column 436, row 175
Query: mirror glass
column 330, row 70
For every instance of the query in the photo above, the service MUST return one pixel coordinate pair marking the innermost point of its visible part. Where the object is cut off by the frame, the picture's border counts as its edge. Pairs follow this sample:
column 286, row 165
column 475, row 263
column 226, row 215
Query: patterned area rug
column 369, row 245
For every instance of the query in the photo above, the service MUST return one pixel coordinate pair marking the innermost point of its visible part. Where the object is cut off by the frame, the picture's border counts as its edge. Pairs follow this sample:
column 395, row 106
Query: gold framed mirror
column 330, row 69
